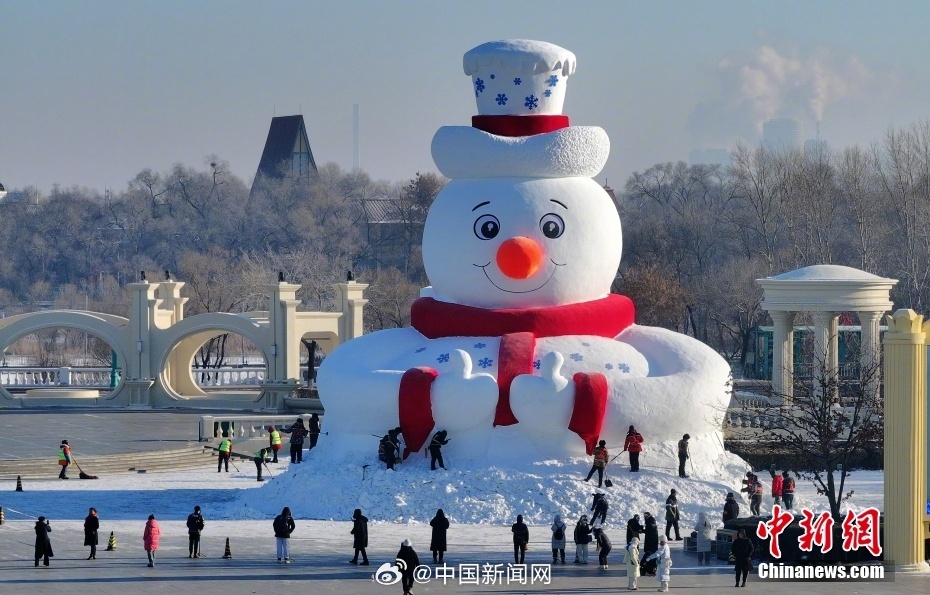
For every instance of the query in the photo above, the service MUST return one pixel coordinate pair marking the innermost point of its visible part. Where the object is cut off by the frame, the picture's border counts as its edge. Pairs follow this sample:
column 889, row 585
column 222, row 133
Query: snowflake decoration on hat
column 443, row 358
column 480, row 345
column 548, row 93
column 485, row 362
column 517, row 81
column 501, row 99
column 552, row 80
column 421, row 350
column 491, row 77
column 609, row 366
column 624, row 368
column 577, row 357
column 479, row 85
column 531, row 102
column 537, row 363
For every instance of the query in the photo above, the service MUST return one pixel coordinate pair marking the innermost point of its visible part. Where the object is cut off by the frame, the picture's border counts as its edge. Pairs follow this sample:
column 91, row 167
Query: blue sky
column 93, row 92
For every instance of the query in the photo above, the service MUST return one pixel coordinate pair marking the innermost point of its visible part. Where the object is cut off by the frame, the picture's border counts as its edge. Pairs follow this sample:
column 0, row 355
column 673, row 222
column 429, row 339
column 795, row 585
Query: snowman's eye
column 487, row 227
column 552, row 226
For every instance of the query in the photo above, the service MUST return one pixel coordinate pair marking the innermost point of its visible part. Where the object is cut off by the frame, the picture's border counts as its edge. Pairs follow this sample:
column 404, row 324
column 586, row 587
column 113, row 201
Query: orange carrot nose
column 519, row 257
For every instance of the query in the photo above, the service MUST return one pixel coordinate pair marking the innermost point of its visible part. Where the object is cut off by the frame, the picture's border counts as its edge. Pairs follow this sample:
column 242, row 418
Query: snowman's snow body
column 543, row 239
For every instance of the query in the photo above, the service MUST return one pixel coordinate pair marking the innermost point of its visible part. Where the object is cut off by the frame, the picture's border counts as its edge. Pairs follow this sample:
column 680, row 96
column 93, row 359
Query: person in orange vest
column 633, row 445
column 787, row 490
column 600, row 462
column 274, row 437
column 777, row 485
column 64, row 459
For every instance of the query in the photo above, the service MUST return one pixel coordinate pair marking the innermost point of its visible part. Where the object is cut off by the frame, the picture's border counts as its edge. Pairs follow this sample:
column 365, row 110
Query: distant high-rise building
column 709, row 157
column 287, row 150
column 815, row 146
column 783, row 134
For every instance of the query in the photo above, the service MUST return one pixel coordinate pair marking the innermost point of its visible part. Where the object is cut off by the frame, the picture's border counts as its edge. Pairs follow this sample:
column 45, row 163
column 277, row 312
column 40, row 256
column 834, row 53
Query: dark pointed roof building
column 287, row 150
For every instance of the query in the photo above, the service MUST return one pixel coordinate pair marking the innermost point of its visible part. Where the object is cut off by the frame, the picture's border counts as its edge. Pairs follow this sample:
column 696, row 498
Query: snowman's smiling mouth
column 484, row 269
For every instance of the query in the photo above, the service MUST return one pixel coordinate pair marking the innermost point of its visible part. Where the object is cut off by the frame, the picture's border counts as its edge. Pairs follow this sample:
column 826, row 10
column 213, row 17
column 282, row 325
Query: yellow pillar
column 905, row 439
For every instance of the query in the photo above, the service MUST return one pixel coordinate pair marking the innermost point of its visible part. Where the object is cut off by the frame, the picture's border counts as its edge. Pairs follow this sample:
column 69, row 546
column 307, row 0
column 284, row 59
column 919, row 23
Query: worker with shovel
column 64, row 459
column 260, row 462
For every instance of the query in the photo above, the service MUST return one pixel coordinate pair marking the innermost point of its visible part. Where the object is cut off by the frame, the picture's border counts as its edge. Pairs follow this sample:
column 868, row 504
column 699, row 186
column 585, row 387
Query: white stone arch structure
column 110, row 328
column 156, row 344
column 178, row 344
column 825, row 290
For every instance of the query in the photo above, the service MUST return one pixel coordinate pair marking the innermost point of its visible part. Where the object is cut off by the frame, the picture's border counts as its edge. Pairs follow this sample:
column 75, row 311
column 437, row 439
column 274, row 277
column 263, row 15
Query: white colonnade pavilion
column 826, row 291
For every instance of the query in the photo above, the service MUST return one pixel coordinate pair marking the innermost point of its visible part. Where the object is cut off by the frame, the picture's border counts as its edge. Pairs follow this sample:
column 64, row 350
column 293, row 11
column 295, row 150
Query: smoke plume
column 772, row 82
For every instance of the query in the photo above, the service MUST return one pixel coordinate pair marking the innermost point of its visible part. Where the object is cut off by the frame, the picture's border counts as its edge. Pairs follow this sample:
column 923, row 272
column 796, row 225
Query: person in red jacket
column 633, row 445
column 150, row 539
column 787, row 490
column 776, row 485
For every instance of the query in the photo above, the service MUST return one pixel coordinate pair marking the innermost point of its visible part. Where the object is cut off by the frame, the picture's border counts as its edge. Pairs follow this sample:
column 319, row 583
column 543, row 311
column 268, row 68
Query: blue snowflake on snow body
column 485, row 362
column 421, row 350
column 548, row 93
column 624, row 368
column 609, row 366
column 577, row 357
column 517, row 81
column 443, row 358
column 537, row 363
column 501, row 99
column 479, row 85
column 480, row 345
column 531, row 102
column 552, row 80
column 491, row 77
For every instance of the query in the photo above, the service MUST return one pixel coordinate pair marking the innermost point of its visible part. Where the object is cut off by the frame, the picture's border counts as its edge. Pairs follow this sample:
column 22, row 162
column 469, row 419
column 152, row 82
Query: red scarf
column 518, row 329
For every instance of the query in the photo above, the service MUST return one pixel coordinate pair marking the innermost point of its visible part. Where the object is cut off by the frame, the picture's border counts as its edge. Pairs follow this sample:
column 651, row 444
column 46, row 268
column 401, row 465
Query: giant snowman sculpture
column 518, row 348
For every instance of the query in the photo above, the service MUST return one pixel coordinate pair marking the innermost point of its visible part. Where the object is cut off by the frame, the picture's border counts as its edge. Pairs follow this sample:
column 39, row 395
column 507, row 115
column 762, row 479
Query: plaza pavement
column 320, row 565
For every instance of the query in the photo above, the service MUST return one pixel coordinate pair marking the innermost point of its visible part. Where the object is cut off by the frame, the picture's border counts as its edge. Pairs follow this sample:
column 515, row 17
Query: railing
column 229, row 377
column 244, row 426
column 745, row 424
column 32, row 377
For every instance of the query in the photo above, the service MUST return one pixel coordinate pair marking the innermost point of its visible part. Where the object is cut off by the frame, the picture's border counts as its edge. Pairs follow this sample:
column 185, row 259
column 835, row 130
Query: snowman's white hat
column 519, row 76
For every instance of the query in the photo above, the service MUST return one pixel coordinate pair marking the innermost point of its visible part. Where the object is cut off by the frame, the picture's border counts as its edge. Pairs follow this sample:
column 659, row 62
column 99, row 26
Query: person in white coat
column 663, row 557
column 706, row 532
column 558, row 539
column 632, row 564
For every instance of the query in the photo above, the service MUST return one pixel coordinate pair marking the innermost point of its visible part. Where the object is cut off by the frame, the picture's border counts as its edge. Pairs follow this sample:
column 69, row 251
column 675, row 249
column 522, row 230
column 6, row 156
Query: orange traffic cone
column 111, row 545
column 227, row 555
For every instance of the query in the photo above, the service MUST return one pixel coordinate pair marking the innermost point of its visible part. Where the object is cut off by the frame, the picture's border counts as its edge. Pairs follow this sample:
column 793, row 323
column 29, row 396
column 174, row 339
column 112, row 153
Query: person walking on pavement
column 633, row 445
column 283, row 526
column 521, row 538
column 410, row 563
column 663, row 558
column 706, row 533
column 787, row 490
column 730, row 508
column 360, row 536
column 683, row 454
column 599, row 506
column 43, row 541
column 91, row 525
column 603, row 545
column 224, row 449
column 194, row 527
column 150, row 539
column 742, row 549
column 314, row 430
column 437, row 542
column 672, row 516
column 64, row 459
column 558, row 539
column 582, row 537
column 259, row 460
column 435, row 449
column 634, row 529
column 600, row 462
column 632, row 564
column 298, row 432
column 651, row 541
column 274, row 440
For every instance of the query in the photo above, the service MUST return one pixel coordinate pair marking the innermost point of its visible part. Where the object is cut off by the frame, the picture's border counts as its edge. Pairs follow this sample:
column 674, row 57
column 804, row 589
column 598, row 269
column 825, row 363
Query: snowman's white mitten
column 543, row 404
column 462, row 400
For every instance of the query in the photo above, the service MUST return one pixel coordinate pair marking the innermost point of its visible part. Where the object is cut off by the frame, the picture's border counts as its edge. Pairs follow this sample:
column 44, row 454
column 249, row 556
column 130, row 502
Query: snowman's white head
column 521, row 242
column 521, row 224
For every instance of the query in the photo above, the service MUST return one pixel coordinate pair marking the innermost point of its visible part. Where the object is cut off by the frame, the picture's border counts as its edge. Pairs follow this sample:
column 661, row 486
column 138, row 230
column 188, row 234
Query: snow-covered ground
column 321, row 490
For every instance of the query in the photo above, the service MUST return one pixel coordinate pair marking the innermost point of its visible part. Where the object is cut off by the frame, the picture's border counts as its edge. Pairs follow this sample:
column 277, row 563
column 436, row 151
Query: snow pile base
column 327, row 488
